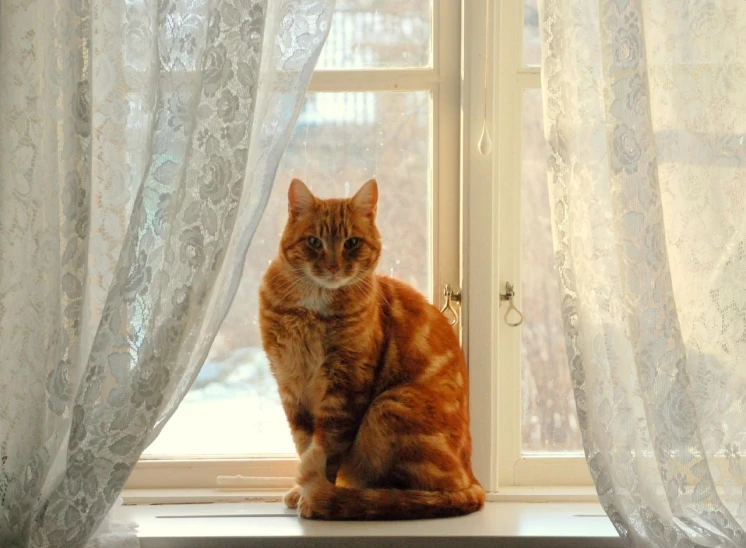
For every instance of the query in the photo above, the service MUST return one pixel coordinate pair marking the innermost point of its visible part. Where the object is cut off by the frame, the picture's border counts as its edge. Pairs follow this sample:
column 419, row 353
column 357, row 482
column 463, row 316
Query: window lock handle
column 451, row 297
column 508, row 296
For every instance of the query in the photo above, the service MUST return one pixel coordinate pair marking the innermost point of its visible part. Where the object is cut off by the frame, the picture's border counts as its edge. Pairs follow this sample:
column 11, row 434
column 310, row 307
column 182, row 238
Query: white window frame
column 490, row 231
column 474, row 196
column 442, row 79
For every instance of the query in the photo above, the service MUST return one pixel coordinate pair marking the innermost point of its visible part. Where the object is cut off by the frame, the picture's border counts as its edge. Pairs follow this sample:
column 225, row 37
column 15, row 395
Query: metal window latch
column 508, row 296
column 450, row 296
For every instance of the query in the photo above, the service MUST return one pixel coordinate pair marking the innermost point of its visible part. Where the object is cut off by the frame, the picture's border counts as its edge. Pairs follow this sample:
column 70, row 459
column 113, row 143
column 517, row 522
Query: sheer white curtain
column 138, row 144
column 645, row 105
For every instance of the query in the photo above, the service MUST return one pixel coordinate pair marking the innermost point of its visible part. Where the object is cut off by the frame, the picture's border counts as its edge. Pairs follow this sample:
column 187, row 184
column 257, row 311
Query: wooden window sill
column 269, row 524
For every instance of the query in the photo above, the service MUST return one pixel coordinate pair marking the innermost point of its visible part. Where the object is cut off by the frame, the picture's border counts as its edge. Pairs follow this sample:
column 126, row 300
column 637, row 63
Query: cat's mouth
column 332, row 281
column 329, row 280
column 326, row 279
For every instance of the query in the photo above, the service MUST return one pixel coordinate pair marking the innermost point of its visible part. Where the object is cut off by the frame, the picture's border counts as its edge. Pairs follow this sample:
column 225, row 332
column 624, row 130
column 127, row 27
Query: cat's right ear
column 300, row 199
column 366, row 199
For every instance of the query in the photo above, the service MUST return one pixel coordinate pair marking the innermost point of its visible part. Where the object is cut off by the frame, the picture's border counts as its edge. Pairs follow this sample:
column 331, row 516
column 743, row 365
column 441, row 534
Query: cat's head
column 333, row 242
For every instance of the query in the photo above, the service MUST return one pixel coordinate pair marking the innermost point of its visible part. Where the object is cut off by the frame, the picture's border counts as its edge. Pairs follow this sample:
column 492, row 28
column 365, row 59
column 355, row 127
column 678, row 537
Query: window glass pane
column 531, row 40
column 340, row 141
column 378, row 34
column 549, row 420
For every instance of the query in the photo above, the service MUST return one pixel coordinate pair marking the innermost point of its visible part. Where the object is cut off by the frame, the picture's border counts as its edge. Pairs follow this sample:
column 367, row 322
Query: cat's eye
column 352, row 243
column 314, row 242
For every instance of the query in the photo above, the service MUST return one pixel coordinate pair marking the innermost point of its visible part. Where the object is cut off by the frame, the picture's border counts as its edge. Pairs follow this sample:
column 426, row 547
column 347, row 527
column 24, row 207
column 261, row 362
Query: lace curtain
column 138, row 144
column 645, row 104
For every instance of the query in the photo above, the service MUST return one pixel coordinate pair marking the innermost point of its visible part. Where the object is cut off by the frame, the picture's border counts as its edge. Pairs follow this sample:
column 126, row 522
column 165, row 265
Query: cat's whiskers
column 299, row 283
column 366, row 285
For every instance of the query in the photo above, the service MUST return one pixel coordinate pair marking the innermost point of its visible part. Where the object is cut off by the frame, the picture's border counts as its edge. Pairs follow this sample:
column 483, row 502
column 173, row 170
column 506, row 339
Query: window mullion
column 507, row 160
column 478, row 250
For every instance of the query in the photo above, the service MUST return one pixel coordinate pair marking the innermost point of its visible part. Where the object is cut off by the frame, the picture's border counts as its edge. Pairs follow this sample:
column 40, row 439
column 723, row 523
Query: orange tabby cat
column 370, row 374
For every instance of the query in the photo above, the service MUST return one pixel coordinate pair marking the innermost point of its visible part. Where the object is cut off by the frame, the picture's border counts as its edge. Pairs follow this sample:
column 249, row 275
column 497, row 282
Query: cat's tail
column 320, row 499
column 346, row 503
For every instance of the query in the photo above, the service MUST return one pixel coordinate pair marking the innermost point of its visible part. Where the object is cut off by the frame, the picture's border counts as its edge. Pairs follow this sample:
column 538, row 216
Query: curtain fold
column 138, row 145
column 645, row 104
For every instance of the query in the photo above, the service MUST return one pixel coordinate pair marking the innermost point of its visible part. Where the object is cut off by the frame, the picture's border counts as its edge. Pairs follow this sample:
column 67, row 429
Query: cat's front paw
column 292, row 497
column 306, row 509
column 314, row 501
column 313, row 484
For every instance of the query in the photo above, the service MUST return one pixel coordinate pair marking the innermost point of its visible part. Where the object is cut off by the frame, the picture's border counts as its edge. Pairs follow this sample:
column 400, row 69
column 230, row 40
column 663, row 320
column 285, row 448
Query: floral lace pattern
column 138, row 144
column 644, row 117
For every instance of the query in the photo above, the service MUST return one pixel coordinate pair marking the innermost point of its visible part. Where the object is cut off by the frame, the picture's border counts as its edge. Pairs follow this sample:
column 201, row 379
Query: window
column 397, row 94
column 383, row 102
column 531, row 432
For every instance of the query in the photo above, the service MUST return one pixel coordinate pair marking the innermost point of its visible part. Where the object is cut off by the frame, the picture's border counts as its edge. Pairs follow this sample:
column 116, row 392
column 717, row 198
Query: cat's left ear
column 366, row 199
column 300, row 199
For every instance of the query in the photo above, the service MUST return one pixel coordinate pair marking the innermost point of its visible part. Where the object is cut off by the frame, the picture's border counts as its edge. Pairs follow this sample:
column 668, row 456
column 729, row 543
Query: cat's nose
column 333, row 268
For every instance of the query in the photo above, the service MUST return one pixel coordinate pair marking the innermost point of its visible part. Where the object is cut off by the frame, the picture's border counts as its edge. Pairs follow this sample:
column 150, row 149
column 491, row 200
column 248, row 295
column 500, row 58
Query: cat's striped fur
column 370, row 374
